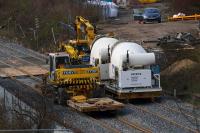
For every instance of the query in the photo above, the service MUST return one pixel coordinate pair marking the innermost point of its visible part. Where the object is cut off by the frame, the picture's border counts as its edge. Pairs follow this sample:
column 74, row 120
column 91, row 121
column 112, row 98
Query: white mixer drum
column 100, row 49
column 137, row 55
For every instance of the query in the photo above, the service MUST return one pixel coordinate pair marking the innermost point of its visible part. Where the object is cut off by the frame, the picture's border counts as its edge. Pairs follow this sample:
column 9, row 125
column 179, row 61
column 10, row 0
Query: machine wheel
column 60, row 96
column 159, row 20
column 44, row 90
column 98, row 92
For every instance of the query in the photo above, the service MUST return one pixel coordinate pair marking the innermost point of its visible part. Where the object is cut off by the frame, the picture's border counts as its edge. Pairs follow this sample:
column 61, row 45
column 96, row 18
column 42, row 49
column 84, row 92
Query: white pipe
column 141, row 59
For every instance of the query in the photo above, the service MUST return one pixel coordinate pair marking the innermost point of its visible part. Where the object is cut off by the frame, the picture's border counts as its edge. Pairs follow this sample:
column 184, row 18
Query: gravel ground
column 73, row 118
column 22, row 52
column 154, row 123
column 28, row 81
column 121, row 127
column 179, row 105
column 9, row 58
column 179, row 118
column 111, row 119
column 82, row 122
column 77, row 121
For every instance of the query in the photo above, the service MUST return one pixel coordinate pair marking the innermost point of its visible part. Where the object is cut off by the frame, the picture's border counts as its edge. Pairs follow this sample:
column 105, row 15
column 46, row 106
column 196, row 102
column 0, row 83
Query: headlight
column 144, row 16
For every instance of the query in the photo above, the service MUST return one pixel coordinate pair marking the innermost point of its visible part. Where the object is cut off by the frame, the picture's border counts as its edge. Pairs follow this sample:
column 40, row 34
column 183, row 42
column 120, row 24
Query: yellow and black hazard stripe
column 79, row 81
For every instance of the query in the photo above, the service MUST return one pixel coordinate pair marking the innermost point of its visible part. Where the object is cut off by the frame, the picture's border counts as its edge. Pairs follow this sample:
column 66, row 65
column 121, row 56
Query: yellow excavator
column 79, row 48
column 76, row 85
column 74, row 82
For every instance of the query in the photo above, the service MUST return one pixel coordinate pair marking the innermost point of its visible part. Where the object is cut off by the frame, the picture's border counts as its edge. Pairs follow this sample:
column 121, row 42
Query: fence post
column 54, row 39
column 175, row 93
column 4, row 98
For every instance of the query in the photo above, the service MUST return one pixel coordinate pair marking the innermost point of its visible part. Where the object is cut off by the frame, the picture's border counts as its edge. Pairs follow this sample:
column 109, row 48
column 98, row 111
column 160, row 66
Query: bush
column 185, row 6
column 19, row 18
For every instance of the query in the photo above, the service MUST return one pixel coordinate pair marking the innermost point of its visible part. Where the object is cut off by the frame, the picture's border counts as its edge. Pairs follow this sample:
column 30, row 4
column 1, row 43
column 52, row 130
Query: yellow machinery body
column 78, row 78
column 75, row 85
column 77, row 81
column 181, row 18
column 72, row 78
column 74, row 82
column 70, row 50
column 84, row 30
column 148, row 1
column 85, row 34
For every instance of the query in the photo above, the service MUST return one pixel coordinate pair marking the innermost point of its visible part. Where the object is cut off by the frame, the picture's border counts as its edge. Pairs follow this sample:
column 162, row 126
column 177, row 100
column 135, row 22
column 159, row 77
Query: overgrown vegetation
column 19, row 116
column 32, row 21
column 184, row 6
column 186, row 79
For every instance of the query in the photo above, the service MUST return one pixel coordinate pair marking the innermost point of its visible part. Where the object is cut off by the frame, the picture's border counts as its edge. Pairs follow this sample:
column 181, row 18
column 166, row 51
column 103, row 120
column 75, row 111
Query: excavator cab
column 76, row 85
column 58, row 61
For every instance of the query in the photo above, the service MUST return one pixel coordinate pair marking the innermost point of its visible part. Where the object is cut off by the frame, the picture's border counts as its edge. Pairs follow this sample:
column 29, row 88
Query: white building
column 110, row 9
column 122, row 3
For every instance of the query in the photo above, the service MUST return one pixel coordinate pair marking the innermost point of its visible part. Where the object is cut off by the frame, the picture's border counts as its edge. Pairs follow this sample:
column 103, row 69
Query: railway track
column 17, row 49
column 23, row 61
column 163, row 118
column 117, row 125
column 185, row 108
column 120, row 122
column 186, row 114
column 13, row 55
column 105, row 125
column 111, row 129
column 134, row 125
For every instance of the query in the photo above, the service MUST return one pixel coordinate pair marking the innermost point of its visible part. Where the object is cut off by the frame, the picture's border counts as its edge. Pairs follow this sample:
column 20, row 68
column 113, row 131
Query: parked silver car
column 151, row 15
column 147, row 15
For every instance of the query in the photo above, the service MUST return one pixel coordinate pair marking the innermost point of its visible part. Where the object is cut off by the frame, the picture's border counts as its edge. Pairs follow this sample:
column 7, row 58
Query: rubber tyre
column 159, row 21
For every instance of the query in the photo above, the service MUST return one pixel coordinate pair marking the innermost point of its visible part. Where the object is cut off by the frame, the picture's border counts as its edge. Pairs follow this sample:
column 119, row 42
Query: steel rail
column 132, row 107
column 134, row 125
column 19, row 51
column 39, row 91
column 178, row 111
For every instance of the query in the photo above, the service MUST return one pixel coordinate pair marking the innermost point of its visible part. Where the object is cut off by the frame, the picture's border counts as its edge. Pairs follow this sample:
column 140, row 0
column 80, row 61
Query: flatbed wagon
column 95, row 104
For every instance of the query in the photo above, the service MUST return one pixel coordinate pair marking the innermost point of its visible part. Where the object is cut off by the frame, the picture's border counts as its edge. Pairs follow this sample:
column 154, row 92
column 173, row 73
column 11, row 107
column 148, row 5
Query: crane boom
column 85, row 31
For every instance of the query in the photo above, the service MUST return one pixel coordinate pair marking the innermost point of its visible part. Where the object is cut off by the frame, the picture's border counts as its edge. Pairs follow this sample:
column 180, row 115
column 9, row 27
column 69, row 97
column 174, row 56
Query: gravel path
column 121, row 127
column 156, row 124
column 22, row 52
column 179, row 118
column 85, row 123
column 112, row 119
column 75, row 120
column 181, row 106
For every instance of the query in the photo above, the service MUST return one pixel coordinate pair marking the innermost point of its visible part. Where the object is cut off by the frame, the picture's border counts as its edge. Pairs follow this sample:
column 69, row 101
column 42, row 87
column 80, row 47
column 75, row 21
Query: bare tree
column 39, row 115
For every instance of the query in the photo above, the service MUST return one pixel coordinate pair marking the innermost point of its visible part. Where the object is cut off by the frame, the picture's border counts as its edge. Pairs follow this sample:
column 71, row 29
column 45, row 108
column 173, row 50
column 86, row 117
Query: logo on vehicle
column 92, row 71
column 68, row 72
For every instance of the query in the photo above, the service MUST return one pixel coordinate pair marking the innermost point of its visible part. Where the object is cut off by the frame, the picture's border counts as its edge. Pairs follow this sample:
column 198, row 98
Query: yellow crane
column 75, row 85
column 79, row 48
column 85, row 31
column 73, row 81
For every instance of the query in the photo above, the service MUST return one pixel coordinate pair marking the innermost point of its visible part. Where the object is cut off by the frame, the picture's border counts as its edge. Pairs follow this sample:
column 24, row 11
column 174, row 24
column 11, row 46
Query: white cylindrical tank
column 109, row 53
column 100, row 49
column 137, row 56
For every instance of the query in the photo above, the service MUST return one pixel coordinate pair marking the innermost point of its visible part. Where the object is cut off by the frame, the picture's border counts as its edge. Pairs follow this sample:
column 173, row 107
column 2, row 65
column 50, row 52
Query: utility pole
column 54, row 39
column 37, row 26
column 199, row 27
column 9, row 19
